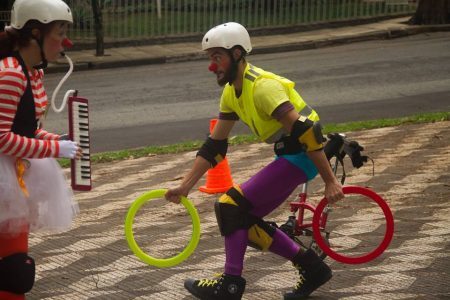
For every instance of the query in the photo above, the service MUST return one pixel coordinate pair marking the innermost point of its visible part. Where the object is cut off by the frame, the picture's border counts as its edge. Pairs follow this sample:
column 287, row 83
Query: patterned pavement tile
column 93, row 261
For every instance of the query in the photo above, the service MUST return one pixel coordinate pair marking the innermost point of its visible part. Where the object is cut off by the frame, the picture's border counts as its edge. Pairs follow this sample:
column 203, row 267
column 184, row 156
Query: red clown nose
column 67, row 43
column 212, row 67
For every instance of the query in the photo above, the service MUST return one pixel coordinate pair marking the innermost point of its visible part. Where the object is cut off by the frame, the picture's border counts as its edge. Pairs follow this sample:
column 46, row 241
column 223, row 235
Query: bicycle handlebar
column 338, row 146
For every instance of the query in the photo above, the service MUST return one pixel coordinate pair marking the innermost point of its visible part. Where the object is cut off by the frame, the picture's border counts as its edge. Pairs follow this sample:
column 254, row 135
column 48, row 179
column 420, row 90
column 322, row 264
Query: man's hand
column 174, row 195
column 333, row 192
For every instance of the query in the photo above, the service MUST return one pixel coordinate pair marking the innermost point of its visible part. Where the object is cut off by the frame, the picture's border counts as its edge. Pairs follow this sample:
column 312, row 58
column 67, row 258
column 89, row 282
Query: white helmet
column 44, row 11
column 227, row 36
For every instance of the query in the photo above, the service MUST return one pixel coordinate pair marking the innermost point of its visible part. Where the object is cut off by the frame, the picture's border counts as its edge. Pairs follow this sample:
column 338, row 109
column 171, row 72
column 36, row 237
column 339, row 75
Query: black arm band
column 213, row 151
column 300, row 127
column 308, row 133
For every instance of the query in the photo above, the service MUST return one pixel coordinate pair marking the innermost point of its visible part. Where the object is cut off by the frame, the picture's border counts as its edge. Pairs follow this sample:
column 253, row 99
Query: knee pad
column 232, row 212
column 260, row 235
column 17, row 273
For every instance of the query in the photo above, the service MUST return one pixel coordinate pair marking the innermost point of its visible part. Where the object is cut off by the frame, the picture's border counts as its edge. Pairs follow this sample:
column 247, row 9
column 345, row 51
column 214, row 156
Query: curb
column 304, row 45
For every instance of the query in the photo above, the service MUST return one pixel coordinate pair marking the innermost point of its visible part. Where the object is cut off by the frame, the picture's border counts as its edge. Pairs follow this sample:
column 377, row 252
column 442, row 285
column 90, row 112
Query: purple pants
column 266, row 190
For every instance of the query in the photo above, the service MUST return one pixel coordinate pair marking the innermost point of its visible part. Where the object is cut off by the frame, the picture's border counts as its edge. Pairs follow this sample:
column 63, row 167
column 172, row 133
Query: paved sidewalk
column 153, row 54
column 412, row 167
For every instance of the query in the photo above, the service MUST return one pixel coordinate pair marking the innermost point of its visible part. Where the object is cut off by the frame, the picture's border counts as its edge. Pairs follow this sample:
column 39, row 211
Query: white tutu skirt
column 50, row 205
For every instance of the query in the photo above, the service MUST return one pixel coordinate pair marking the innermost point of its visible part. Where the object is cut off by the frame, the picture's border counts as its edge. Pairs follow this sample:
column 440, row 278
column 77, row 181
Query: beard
column 223, row 77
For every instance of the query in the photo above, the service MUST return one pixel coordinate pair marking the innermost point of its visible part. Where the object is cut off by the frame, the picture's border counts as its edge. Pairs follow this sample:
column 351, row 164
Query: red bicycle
column 362, row 225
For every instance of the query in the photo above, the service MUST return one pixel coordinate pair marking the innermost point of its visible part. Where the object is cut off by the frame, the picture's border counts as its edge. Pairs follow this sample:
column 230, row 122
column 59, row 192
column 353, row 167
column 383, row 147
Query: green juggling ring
column 161, row 262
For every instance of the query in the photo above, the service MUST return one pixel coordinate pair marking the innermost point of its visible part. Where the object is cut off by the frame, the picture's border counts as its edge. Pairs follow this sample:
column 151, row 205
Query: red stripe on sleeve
column 4, row 139
column 56, row 143
column 34, row 148
column 20, row 146
column 43, row 149
column 8, row 101
column 11, row 144
column 10, row 93
column 27, row 147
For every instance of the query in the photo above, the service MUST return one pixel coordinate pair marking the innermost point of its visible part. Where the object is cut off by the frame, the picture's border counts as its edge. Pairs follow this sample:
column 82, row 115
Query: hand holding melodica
column 69, row 149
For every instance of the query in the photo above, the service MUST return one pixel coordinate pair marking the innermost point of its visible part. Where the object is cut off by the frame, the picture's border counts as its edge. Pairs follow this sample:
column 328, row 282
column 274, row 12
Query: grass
column 247, row 139
column 141, row 20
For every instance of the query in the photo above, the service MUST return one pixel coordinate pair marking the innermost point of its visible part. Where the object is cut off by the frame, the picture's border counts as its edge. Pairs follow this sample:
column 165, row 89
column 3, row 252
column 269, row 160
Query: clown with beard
column 270, row 106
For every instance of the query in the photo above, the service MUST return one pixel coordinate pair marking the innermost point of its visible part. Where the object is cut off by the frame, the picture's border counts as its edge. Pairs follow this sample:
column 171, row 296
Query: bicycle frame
column 317, row 237
column 302, row 204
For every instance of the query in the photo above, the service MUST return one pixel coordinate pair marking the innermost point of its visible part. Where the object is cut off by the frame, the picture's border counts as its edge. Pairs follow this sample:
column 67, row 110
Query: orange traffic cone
column 218, row 179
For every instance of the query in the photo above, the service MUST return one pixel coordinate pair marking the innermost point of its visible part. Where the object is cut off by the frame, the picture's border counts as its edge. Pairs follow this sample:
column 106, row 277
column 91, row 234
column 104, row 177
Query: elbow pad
column 213, row 151
column 308, row 133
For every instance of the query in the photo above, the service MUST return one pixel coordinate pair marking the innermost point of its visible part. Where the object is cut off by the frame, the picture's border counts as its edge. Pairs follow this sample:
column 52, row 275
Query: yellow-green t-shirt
column 262, row 93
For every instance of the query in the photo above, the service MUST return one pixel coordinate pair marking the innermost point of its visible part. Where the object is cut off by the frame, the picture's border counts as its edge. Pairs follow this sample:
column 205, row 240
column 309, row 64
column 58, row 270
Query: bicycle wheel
column 362, row 226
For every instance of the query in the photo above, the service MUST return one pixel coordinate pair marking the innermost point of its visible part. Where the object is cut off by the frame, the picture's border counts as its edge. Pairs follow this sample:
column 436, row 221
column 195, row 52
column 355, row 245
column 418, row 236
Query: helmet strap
column 234, row 66
column 44, row 62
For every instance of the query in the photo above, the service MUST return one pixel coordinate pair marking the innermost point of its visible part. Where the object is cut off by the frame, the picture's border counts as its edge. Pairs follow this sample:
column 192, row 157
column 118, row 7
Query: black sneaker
column 223, row 287
column 313, row 273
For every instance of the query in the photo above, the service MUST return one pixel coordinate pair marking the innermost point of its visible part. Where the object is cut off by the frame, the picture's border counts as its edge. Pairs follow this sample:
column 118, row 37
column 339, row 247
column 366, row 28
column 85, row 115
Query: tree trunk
column 98, row 26
column 432, row 12
column 4, row 6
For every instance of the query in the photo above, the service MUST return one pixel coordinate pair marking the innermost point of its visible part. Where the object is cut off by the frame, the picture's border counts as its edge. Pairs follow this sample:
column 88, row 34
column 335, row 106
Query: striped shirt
column 13, row 84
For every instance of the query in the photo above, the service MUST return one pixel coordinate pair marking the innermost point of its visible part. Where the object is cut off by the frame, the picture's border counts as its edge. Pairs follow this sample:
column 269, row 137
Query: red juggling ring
column 358, row 259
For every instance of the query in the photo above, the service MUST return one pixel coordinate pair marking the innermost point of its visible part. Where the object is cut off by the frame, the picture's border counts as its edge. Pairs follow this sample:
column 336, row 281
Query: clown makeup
column 53, row 42
column 219, row 65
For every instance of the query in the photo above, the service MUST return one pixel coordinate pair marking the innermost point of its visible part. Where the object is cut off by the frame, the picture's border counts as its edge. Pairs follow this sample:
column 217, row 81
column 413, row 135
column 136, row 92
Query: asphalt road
column 164, row 104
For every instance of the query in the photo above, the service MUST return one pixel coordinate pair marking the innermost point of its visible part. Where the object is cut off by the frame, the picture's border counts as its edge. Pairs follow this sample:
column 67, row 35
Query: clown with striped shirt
column 34, row 194
column 13, row 84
